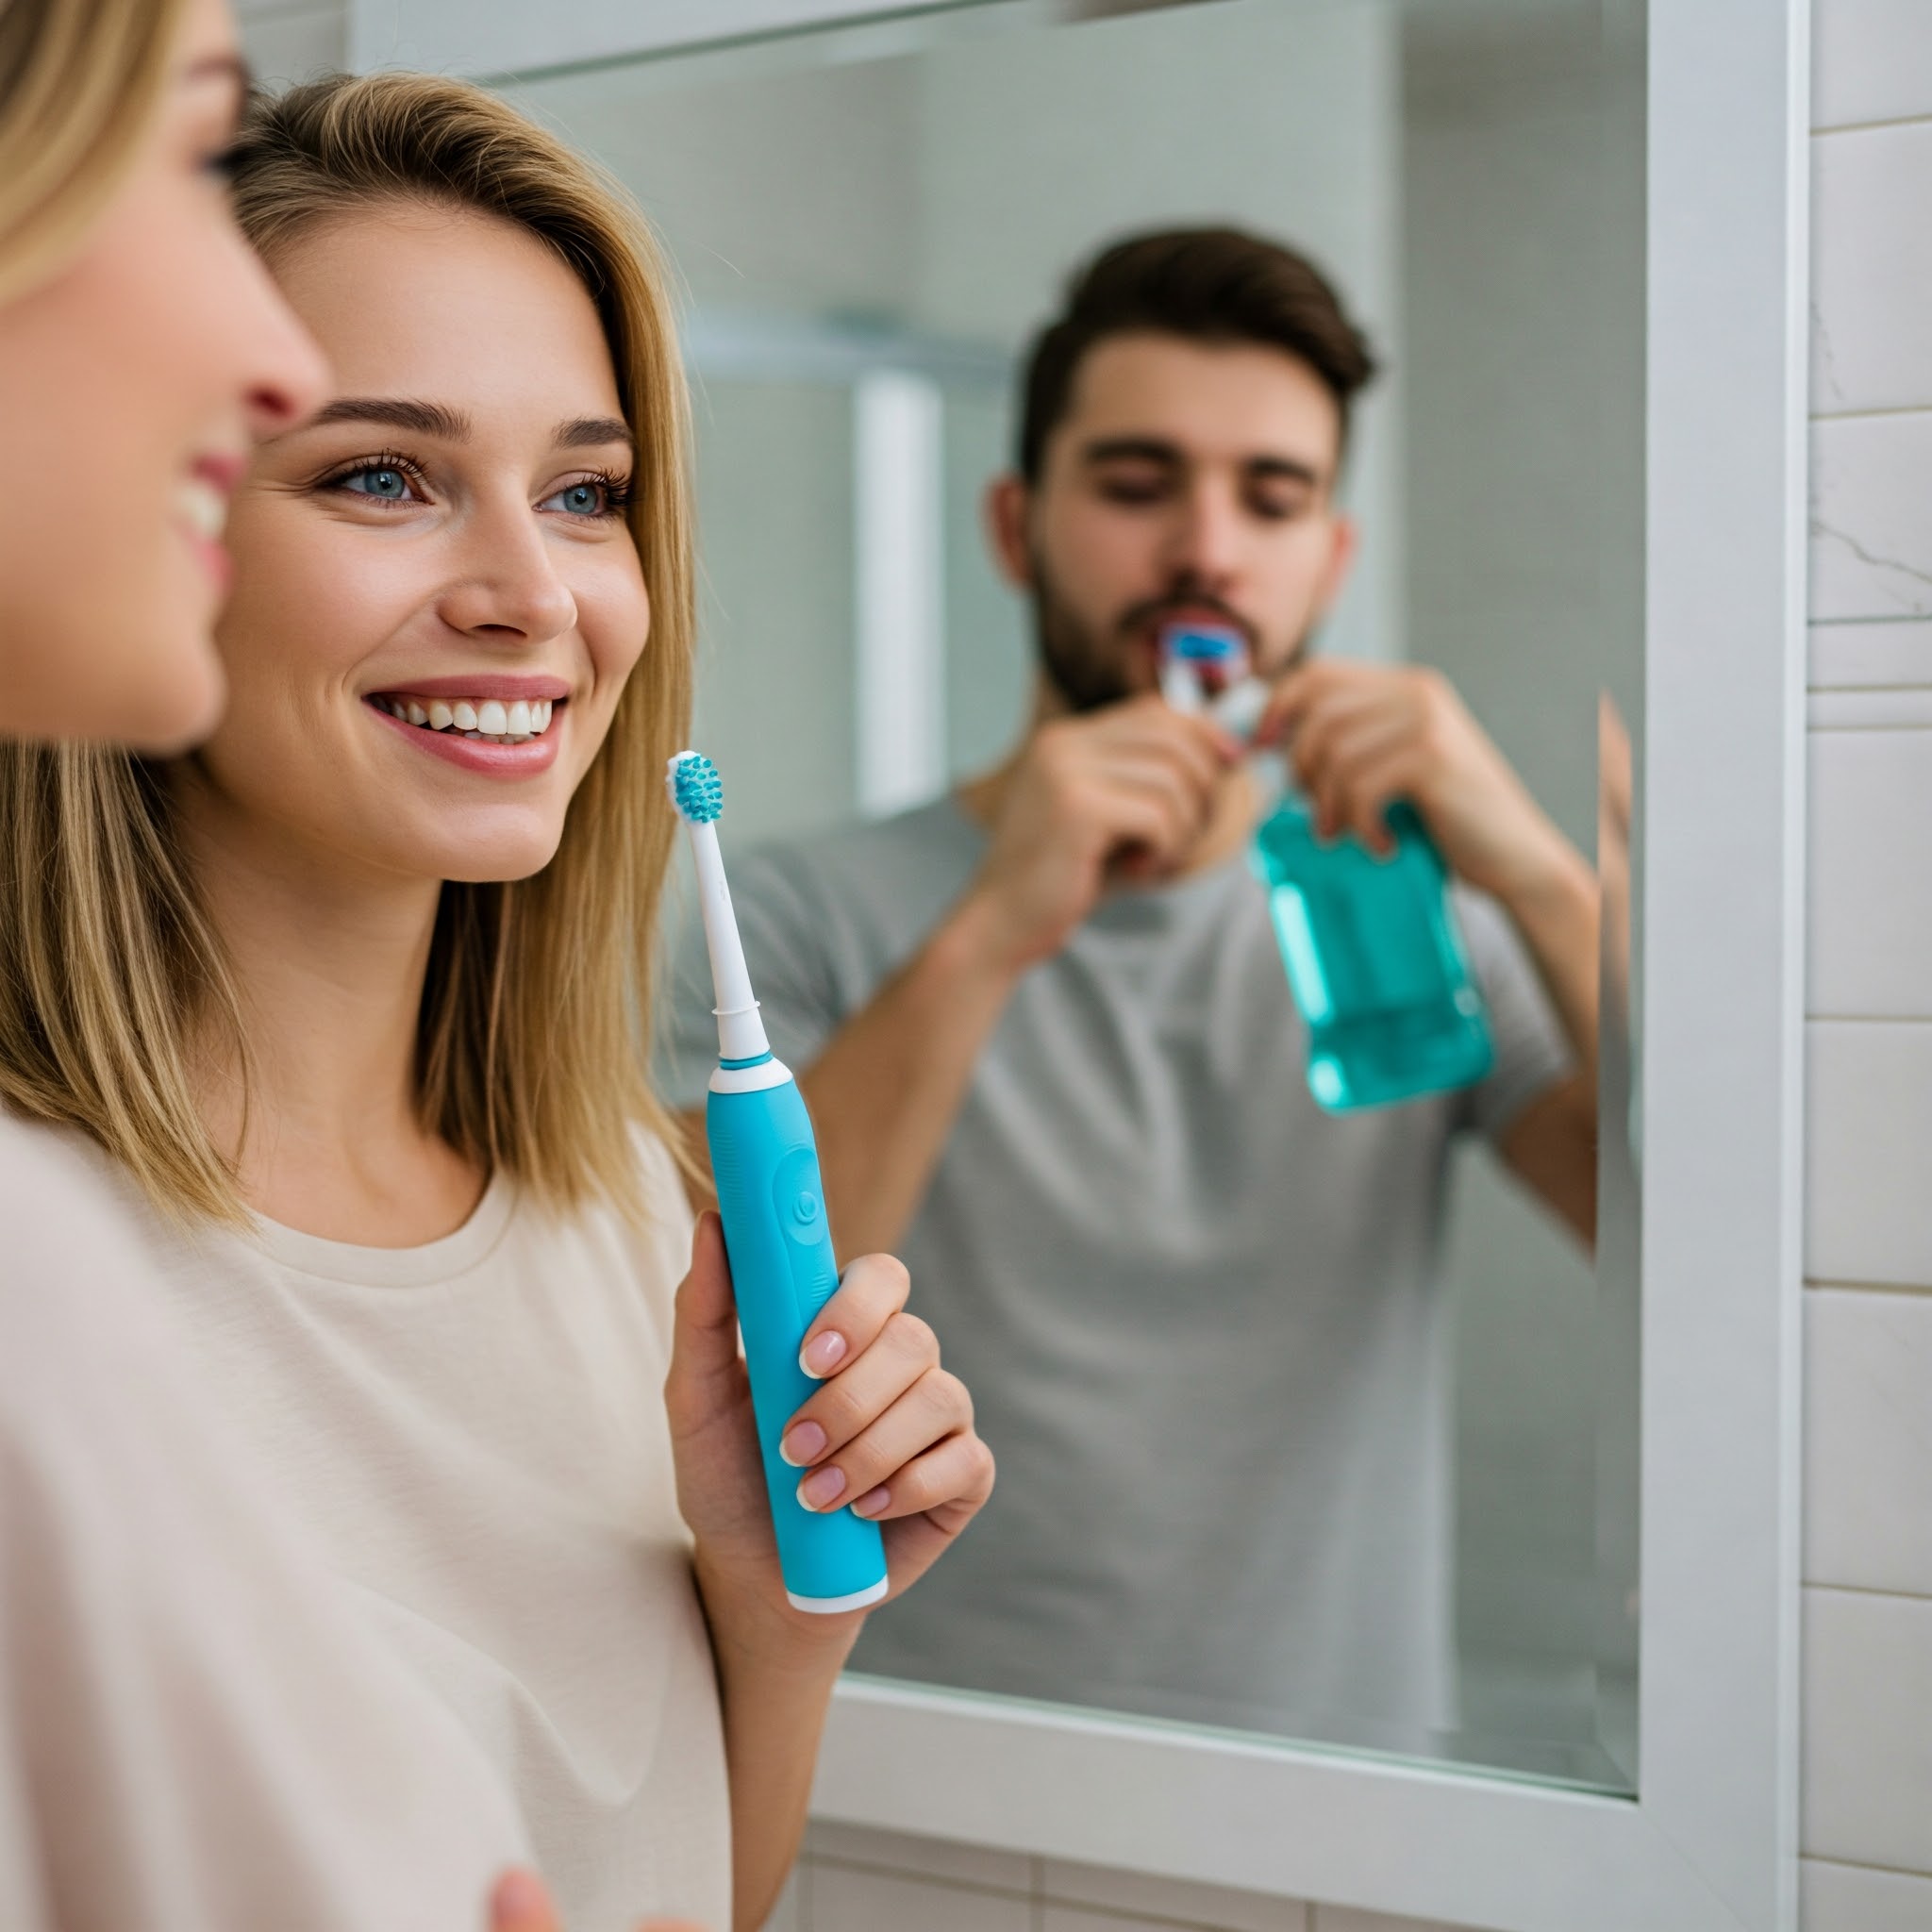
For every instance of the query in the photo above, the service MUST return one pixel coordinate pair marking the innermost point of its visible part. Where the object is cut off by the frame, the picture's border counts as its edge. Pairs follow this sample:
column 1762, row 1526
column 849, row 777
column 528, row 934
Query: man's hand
column 1362, row 736
column 520, row 1904
column 888, row 1431
column 1127, row 791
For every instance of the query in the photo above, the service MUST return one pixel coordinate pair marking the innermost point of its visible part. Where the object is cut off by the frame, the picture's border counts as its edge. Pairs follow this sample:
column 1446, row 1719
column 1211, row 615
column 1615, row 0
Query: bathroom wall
column 1868, row 1545
column 1867, row 1560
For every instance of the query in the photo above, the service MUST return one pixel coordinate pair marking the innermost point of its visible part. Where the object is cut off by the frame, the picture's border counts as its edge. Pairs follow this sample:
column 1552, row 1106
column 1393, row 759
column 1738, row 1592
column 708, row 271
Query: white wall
column 1868, row 1717
column 1868, row 1545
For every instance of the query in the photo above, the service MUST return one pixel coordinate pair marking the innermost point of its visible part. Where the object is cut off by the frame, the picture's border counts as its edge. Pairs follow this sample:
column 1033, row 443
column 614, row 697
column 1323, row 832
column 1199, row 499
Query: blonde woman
column 378, row 1079
column 195, row 1734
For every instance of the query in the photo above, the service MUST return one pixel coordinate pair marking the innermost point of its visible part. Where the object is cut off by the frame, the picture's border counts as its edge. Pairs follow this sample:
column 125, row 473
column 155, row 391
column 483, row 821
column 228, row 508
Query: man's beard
column 1088, row 671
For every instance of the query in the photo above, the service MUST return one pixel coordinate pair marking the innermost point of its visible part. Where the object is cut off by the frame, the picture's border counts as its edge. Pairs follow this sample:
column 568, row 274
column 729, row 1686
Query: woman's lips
column 525, row 760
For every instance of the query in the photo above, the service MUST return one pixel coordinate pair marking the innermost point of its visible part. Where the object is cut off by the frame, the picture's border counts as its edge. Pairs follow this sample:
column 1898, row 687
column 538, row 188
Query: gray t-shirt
column 1200, row 1318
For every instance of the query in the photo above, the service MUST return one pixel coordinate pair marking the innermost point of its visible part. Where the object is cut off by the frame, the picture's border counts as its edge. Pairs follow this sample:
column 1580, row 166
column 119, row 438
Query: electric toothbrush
column 765, row 1165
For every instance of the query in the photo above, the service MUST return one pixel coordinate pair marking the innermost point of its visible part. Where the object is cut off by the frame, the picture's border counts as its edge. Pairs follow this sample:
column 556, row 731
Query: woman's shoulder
column 55, row 1183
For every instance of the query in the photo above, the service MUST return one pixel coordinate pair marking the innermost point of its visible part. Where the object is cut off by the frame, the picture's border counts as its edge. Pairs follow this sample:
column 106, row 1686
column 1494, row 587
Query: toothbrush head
column 695, row 788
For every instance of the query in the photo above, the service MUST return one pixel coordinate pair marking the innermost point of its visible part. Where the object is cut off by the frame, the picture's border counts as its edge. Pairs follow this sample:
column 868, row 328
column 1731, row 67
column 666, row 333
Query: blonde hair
column 80, row 82
column 531, row 1056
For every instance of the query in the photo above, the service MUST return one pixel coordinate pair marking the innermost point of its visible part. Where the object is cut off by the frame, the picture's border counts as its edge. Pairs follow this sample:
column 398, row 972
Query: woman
column 193, row 1732
column 386, row 1075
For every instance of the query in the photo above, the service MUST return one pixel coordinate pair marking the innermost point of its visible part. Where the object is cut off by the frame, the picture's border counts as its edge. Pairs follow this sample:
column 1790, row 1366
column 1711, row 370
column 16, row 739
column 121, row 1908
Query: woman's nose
column 511, row 590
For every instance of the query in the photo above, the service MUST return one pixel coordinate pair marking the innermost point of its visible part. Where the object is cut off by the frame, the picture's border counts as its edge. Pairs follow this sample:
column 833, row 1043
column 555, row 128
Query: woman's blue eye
column 390, row 485
column 582, row 499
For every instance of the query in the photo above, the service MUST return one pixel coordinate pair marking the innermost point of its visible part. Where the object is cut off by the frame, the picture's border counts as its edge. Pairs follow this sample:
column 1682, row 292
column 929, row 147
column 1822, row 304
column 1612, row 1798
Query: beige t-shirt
column 474, row 1432
column 197, row 1731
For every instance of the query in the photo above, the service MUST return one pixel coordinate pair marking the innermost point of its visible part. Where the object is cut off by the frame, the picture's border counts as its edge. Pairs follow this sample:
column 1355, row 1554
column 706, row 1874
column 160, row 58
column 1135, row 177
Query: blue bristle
column 697, row 788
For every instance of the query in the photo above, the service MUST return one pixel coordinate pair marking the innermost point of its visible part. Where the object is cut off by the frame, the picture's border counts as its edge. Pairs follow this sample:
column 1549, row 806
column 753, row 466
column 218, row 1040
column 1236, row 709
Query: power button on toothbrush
column 806, row 1209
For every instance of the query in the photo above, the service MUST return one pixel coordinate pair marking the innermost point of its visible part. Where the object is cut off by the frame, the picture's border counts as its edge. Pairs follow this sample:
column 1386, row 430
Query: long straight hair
column 530, row 1053
column 80, row 83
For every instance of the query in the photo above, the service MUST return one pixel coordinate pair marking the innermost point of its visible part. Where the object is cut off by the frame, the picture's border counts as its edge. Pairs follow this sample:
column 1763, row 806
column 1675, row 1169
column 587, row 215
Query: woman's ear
column 1005, row 505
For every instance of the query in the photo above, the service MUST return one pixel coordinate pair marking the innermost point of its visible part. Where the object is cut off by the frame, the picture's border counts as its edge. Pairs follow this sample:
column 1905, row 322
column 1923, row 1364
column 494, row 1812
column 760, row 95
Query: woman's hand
column 888, row 1431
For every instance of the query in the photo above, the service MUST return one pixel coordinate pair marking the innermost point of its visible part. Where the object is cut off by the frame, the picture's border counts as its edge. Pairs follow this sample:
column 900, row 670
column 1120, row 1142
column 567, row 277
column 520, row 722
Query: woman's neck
column 328, row 966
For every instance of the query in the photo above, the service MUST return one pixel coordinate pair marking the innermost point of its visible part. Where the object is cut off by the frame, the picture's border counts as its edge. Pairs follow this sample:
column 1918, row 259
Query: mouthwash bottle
column 1375, row 961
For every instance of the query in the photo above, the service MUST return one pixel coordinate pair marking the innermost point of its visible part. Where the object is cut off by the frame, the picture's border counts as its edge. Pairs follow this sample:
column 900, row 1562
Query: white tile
column 1853, row 1898
column 1898, row 652
column 297, row 44
column 1872, row 60
column 1868, row 1440
column 1870, row 710
column 1868, row 1729
column 1346, row 1919
column 1871, row 540
column 921, row 1857
column 1870, row 886
column 1867, row 1208
column 1172, row 1898
column 1872, row 269
column 787, row 1915
column 845, row 1899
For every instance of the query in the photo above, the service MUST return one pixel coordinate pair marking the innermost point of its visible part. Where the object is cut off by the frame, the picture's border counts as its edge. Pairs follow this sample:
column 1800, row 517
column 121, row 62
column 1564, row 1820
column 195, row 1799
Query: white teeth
column 203, row 509
column 516, row 723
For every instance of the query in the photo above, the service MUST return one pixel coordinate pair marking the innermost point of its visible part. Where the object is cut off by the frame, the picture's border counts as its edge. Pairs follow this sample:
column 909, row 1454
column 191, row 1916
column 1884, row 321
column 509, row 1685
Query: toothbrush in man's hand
column 765, row 1165
column 1206, row 672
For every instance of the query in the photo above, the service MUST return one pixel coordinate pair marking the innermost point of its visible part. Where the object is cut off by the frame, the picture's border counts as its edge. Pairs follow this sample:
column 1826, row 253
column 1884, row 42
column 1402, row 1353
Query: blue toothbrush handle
column 765, row 1164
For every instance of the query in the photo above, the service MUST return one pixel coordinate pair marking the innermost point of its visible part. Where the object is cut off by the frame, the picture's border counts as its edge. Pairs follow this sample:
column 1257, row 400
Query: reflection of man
column 1050, row 1048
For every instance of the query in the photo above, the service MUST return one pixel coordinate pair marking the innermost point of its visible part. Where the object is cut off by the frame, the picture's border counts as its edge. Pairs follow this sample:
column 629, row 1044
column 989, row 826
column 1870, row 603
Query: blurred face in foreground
column 132, row 383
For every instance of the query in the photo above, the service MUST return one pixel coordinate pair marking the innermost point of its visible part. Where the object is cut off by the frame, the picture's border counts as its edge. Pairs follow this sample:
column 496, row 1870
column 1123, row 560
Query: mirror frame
column 1709, row 1843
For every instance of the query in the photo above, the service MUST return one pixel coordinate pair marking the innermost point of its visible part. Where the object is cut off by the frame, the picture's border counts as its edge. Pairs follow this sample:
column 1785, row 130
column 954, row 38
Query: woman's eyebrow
column 395, row 412
column 591, row 432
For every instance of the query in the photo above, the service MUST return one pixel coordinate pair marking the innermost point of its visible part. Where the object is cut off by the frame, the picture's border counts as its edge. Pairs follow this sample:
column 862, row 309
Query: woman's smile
column 505, row 727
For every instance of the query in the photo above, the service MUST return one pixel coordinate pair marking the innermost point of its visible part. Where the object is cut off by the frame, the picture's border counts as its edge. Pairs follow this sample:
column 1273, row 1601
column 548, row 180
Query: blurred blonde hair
column 530, row 1052
column 80, row 82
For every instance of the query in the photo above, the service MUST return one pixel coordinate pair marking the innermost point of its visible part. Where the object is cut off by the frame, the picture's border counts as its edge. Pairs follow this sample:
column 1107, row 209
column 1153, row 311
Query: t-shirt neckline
column 433, row 1261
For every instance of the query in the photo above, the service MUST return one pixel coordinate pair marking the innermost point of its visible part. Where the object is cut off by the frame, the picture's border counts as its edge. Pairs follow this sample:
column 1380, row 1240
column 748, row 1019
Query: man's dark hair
column 1208, row 284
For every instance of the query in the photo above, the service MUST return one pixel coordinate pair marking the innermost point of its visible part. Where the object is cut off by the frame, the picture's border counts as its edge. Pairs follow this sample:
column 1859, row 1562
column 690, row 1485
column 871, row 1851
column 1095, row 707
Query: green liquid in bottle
column 1375, row 962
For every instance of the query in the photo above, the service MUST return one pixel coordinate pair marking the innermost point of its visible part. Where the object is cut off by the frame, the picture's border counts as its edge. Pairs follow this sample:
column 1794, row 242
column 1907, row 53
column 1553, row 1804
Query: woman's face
column 437, row 599
column 130, row 386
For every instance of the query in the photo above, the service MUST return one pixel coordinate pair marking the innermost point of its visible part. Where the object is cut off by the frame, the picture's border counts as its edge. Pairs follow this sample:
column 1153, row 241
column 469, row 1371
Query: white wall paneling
column 1868, row 1440
column 1854, row 1898
column 1868, row 1741
column 1871, row 252
column 1871, row 541
column 1881, row 655
column 1871, row 870
column 1867, row 1208
column 1874, row 62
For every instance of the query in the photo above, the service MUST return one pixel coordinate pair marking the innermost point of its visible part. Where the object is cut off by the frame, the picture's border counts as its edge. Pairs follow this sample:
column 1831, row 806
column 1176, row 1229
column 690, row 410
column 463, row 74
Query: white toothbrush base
column 831, row 1606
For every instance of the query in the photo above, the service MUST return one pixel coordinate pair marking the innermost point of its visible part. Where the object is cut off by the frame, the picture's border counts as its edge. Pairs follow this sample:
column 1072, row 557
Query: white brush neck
column 740, row 1032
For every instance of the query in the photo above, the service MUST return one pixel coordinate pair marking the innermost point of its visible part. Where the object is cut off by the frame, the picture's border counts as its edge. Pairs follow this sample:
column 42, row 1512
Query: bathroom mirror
column 865, row 267
column 1572, row 230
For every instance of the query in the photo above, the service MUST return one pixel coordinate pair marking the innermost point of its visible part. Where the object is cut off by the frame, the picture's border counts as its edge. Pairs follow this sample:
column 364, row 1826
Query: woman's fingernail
column 822, row 1353
column 871, row 1504
column 802, row 1444
column 820, row 1487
